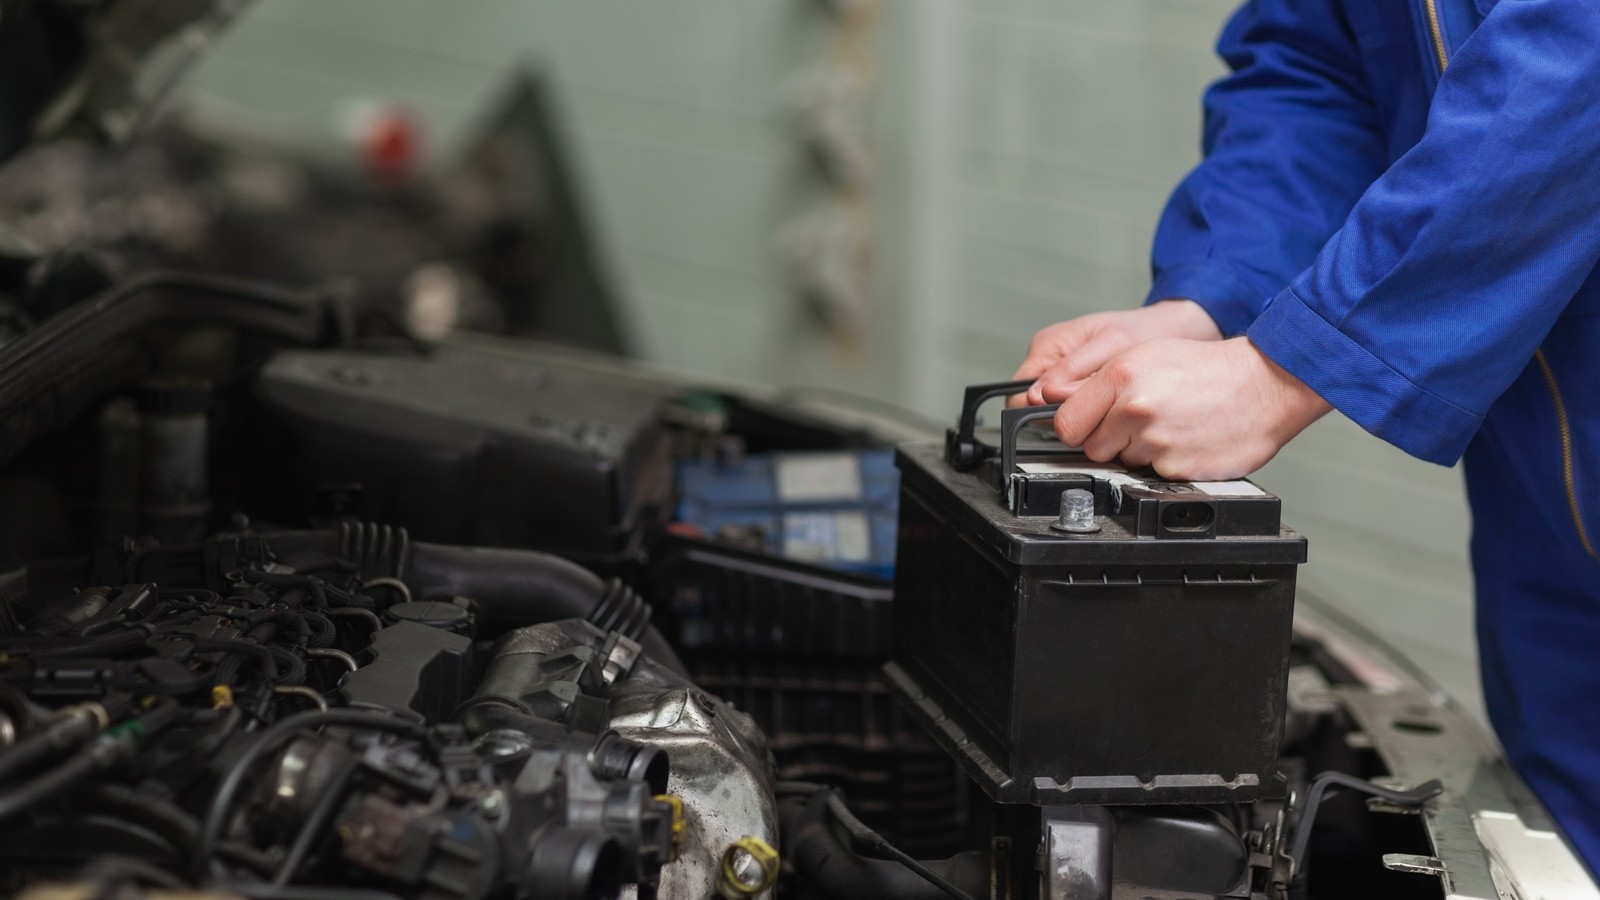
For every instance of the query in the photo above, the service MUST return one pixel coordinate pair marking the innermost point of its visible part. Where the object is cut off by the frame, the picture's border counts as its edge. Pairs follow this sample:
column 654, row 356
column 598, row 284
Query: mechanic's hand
column 1192, row 410
column 1067, row 352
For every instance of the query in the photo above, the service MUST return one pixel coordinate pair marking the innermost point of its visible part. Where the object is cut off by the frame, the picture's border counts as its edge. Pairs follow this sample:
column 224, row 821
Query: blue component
column 837, row 509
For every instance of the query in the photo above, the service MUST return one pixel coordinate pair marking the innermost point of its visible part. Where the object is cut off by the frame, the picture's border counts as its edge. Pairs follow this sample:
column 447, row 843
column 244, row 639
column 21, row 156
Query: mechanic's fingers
column 1050, row 344
column 1058, row 382
column 1137, row 454
column 1082, row 413
column 1109, row 441
column 1038, row 396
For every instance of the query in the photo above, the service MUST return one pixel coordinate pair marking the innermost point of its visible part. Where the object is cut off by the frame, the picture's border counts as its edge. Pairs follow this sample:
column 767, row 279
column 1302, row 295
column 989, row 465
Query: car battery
column 1130, row 650
column 835, row 509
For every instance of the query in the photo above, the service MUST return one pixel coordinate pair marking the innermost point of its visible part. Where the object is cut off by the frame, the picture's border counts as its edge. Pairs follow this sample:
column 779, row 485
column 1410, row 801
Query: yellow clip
column 222, row 697
column 675, row 803
column 736, row 885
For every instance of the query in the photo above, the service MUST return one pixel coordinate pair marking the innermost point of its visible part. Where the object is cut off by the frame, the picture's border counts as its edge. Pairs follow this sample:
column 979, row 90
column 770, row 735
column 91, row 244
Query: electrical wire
column 1328, row 781
column 103, row 752
column 332, row 794
column 69, row 730
column 861, row 833
column 233, row 778
column 285, row 892
column 98, row 755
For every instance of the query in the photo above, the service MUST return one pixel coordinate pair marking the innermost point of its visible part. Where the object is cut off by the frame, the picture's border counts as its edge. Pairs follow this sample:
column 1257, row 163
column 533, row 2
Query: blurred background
column 882, row 197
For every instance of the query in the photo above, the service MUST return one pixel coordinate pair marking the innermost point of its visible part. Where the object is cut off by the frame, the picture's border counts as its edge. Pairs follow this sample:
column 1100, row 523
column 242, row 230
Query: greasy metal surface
column 721, row 769
column 1077, row 853
column 1418, row 740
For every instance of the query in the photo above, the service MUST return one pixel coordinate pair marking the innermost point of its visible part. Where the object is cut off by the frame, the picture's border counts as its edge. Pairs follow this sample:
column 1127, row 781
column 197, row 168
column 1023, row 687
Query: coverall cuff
column 1360, row 385
column 1230, row 301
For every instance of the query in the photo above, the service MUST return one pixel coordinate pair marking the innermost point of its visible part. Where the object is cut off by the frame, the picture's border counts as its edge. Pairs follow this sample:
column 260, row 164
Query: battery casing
column 1143, row 663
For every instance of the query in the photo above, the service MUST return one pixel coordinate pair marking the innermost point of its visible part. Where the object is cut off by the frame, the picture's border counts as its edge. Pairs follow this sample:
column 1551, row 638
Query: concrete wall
column 1023, row 149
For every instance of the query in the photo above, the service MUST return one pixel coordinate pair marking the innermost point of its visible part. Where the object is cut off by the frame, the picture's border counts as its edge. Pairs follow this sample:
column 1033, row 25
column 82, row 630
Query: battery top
column 1139, row 517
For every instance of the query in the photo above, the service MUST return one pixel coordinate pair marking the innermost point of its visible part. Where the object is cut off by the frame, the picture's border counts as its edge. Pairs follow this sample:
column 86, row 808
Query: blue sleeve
column 1440, row 286
column 1291, row 141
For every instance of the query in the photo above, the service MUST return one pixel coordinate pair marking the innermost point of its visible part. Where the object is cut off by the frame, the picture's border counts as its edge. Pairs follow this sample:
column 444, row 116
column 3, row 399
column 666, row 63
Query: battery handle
column 961, row 447
column 1012, row 422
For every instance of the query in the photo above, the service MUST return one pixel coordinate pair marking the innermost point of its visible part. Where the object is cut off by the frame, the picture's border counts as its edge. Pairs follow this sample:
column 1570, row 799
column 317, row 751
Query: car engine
column 300, row 613
column 321, row 587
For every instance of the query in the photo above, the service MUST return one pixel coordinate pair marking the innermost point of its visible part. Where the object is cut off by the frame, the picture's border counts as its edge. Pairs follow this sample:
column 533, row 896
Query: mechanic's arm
column 1291, row 141
column 1429, row 301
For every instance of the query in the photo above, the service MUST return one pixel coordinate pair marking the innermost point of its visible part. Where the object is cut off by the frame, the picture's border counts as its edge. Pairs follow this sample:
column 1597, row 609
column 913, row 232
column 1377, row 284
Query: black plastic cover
column 476, row 443
column 415, row 668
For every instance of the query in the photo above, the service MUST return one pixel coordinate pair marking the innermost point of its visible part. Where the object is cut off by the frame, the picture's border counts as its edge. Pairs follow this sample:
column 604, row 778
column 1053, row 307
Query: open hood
column 92, row 68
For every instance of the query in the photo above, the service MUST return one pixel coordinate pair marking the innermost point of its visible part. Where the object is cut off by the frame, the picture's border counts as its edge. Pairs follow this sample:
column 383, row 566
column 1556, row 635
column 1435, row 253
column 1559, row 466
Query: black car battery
column 1075, row 632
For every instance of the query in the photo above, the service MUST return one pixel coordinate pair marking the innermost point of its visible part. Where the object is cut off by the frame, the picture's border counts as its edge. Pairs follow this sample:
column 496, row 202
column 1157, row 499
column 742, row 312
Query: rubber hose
column 98, row 755
column 172, row 823
column 102, row 753
column 67, row 731
column 512, row 588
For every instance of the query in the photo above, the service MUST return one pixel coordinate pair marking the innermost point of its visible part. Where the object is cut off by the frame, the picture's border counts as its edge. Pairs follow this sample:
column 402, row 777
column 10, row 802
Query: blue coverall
column 1400, row 205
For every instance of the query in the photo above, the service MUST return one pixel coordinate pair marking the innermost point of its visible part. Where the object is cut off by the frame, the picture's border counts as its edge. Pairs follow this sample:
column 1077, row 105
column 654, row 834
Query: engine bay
column 293, row 612
column 344, row 555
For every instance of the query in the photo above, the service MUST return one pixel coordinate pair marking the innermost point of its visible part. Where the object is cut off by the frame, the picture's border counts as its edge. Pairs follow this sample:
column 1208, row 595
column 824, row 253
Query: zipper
column 1565, row 425
column 1437, row 33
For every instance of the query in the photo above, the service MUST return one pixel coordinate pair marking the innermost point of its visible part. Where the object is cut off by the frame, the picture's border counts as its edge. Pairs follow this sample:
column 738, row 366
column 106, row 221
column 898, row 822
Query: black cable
column 294, row 665
column 818, row 853
column 107, row 872
column 102, row 753
column 285, row 892
column 269, row 666
column 219, row 733
column 860, row 832
column 1327, row 781
column 323, row 633
column 162, row 816
column 281, row 615
column 234, row 776
column 65, row 732
column 316, row 586
column 311, row 829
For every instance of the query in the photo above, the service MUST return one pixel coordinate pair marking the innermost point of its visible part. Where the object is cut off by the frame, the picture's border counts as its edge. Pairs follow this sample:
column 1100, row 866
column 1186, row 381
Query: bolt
column 1077, row 512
